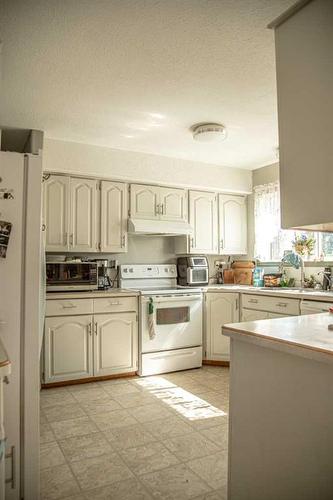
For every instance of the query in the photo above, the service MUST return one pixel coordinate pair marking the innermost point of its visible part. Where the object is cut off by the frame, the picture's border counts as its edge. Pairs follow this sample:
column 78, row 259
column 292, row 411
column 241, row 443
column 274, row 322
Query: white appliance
column 21, row 313
column 159, row 227
column 314, row 307
column 170, row 338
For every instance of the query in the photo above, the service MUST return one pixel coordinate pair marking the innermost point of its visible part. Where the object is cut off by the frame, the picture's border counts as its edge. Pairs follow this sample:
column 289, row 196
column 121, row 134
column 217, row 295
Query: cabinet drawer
column 115, row 304
column 65, row 307
column 288, row 307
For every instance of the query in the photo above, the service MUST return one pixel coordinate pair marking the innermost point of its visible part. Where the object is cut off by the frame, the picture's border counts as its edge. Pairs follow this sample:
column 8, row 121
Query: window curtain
column 267, row 220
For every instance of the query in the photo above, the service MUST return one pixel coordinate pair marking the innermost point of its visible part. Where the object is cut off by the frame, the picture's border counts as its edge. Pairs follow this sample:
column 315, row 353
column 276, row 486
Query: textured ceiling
column 136, row 74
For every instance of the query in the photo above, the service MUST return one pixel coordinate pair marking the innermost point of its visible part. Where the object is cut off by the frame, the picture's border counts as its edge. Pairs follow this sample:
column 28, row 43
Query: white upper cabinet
column 113, row 217
column 83, row 220
column 173, row 204
column 56, row 212
column 203, row 219
column 232, row 225
column 144, row 202
column 158, row 203
column 221, row 308
column 304, row 45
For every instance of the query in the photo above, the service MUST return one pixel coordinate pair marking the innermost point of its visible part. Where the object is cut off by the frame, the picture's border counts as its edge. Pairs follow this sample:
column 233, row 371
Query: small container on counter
column 258, row 277
column 272, row 279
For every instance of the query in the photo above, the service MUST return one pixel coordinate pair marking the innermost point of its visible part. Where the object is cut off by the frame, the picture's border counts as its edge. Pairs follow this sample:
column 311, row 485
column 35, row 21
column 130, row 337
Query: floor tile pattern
column 162, row 437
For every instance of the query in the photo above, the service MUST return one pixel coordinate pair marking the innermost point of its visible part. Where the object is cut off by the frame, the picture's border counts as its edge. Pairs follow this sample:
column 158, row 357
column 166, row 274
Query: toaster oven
column 71, row 275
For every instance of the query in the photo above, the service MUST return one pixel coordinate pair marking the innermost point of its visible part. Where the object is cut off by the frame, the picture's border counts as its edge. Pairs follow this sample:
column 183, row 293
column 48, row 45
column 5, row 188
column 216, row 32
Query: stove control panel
column 141, row 271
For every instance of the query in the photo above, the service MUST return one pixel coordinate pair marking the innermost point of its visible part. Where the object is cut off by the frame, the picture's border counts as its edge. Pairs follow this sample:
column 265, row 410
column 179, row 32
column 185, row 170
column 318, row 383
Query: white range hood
column 160, row 227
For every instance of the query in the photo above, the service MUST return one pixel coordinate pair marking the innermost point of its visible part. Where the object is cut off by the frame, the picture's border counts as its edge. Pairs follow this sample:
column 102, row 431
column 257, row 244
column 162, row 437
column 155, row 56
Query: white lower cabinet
column 252, row 315
column 90, row 345
column 68, row 348
column 220, row 309
column 115, row 344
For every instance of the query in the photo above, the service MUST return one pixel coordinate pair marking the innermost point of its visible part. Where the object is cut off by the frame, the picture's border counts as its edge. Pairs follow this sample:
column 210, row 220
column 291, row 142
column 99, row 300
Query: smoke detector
column 209, row 132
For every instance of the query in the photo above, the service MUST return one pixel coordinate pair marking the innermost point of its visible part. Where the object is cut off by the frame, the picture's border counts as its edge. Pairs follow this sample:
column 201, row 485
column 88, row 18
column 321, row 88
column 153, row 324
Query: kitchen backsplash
column 150, row 250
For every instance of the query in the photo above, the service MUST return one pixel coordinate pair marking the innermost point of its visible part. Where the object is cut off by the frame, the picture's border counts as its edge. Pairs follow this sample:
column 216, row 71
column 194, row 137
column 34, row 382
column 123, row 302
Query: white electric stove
column 170, row 339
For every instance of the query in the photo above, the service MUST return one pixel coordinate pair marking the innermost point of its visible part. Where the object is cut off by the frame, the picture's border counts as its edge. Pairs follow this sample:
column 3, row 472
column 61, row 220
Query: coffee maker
column 104, row 281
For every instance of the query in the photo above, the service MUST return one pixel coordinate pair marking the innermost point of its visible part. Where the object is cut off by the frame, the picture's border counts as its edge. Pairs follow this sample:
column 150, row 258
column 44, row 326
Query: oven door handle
column 178, row 298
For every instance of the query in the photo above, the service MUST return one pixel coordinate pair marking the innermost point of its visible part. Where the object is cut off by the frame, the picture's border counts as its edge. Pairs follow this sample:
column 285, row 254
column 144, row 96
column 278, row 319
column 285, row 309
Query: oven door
column 177, row 322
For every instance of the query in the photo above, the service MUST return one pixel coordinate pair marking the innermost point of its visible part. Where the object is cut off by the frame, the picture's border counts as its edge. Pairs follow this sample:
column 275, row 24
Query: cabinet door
column 203, row 218
column 144, row 201
column 232, row 224
column 55, row 212
column 253, row 315
column 83, row 215
column 68, row 348
column 113, row 216
column 115, row 344
column 173, row 204
column 221, row 308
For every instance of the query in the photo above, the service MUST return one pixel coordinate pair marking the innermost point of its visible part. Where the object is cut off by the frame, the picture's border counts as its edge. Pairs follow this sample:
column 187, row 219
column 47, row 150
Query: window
column 270, row 240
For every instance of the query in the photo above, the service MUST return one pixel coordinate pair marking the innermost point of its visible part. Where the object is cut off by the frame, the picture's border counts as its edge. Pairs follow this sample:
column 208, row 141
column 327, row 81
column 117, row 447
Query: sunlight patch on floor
column 187, row 404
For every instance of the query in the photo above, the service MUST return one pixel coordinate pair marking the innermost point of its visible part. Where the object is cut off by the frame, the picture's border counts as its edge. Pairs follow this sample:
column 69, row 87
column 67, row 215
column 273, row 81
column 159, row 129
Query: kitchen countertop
column 304, row 335
column 95, row 294
column 318, row 295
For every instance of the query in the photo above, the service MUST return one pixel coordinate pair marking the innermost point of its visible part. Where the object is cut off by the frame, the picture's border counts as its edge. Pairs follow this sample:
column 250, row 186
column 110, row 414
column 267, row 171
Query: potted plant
column 304, row 244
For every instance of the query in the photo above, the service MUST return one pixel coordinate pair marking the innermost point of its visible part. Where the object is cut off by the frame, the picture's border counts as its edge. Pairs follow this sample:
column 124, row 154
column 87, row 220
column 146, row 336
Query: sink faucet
column 296, row 261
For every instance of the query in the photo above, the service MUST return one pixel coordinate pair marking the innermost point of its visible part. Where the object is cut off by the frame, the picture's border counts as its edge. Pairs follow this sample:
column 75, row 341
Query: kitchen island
column 281, row 409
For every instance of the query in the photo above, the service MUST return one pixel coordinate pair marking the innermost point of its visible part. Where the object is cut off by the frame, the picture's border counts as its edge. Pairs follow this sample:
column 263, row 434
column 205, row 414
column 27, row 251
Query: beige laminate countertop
column 318, row 295
column 96, row 294
column 308, row 333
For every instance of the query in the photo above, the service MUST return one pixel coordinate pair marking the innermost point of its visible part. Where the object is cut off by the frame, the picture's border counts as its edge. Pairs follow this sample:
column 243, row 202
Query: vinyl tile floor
column 161, row 437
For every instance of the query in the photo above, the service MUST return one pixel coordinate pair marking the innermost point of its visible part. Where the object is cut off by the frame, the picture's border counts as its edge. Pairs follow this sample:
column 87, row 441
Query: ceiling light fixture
column 209, row 132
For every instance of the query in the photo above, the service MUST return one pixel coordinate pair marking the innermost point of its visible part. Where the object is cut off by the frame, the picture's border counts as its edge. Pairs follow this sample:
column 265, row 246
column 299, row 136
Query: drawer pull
column 68, row 306
column 115, row 303
column 253, row 301
column 282, row 304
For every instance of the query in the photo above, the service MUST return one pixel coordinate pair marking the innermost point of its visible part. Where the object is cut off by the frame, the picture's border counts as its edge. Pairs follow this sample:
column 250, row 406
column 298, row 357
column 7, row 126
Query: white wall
column 76, row 158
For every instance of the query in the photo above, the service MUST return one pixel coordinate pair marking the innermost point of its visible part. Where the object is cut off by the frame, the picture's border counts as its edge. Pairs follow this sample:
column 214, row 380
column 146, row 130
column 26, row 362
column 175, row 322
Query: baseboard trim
column 214, row 362
column 88, row 380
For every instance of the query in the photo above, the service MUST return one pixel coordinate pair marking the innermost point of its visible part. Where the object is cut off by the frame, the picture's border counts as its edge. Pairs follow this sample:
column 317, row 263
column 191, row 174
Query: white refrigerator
column 21, row 316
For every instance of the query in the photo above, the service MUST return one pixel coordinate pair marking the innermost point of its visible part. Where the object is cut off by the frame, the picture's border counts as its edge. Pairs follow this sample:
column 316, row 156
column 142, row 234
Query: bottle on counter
column 258, row 277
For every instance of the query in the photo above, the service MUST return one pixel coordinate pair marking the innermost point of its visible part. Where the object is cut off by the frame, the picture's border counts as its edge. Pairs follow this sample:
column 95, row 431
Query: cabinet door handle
column 191, row 242
column 96, row 328
column 162, row 207
column 90, row 329
column 253, row 301
column 43, row 227
column 282, row 304
column 71, row 240
column 123, row 240
column 157, row 209
column 222, row 243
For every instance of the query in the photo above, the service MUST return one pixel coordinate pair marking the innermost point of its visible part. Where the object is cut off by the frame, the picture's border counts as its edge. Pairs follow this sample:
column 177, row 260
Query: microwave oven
column 71, row 275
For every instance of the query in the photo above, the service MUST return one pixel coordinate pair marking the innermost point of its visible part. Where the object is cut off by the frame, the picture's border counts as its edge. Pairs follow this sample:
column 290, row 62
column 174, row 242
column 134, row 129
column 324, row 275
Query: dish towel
column 151, row 319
